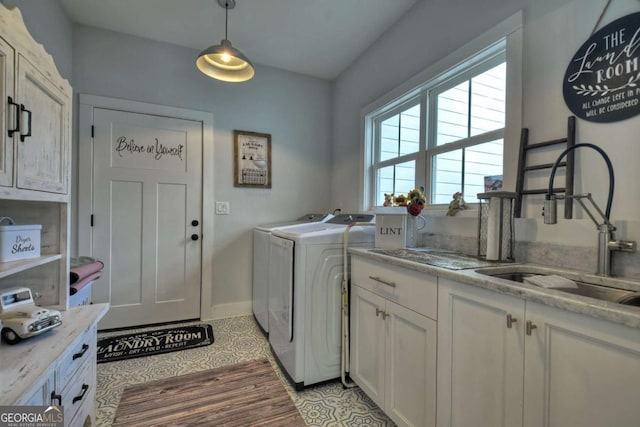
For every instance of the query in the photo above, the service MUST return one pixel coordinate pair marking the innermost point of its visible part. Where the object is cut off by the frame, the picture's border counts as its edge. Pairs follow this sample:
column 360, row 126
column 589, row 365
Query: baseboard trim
column 221, row 311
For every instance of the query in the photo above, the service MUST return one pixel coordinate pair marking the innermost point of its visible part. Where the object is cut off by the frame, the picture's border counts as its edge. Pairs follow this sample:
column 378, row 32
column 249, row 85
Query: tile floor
column 237, row 339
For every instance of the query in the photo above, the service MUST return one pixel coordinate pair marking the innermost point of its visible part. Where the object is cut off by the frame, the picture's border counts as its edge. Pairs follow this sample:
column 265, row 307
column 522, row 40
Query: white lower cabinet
column 504, row 362
column 57, row 368
column 393, row 348
column 41, row 395
column 580, row 371
column 480, row 358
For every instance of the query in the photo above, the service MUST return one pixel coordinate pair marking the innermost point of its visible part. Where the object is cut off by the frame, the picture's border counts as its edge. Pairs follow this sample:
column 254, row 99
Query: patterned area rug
column 245, row 394
column 148, row 343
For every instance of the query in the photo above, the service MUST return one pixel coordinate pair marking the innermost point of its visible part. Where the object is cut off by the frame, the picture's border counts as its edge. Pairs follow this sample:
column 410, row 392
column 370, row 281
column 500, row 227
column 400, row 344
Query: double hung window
column 446, row 136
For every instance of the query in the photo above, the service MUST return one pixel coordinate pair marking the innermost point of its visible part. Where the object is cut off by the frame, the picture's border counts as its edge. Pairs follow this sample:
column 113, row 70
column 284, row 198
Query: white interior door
column 147, row 204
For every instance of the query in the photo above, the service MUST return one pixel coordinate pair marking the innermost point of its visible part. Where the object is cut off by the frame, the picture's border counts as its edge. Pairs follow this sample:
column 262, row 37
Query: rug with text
column 148, row 343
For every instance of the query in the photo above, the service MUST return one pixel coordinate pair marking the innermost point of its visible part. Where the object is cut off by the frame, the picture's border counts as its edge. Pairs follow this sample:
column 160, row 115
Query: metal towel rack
column 523, row 167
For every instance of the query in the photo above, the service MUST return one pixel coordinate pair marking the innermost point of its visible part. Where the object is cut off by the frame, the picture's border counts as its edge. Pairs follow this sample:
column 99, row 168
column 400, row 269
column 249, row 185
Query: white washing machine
column 261, row 235
column 305, row 290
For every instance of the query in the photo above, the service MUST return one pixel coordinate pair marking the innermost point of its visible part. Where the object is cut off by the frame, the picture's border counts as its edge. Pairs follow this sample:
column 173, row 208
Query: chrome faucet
column 606, row 242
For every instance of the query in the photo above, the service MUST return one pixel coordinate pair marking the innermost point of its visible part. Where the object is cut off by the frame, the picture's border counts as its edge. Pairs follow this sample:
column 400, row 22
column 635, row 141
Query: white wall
column 553, row 32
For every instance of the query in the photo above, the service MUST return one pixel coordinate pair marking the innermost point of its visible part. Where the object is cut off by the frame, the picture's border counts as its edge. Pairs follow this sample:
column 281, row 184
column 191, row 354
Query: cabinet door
column 42, row 394
column 367, row 343
column 580, row 371
column 480, row 358
column 410, row 362
column 42, row 159
column 8, row 118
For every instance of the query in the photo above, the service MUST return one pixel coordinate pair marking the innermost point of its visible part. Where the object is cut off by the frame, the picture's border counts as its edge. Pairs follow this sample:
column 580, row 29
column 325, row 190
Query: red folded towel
column 84, row 282
column 80, row 272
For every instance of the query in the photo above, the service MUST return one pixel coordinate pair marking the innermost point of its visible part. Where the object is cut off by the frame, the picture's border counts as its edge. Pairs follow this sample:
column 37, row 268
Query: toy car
column 21, row 318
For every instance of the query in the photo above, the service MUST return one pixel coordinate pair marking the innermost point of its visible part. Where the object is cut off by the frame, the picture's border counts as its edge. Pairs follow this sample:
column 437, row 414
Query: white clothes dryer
column 261, row 233
column 305, row 291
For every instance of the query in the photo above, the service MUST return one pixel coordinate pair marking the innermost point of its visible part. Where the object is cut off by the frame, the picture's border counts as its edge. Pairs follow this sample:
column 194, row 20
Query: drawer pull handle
column 530, row 327
column 55, row 397
column 85, row 388
column 384, row 282
column 23, row 136
column 510, row 321
column 81, row 353
column 17, row 117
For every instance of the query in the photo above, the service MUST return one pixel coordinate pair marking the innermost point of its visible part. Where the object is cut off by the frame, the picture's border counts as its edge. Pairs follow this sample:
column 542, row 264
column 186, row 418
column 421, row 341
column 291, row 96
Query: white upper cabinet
column 36, row 118
column 7, row 119
column 35, row 159
column 43, row 141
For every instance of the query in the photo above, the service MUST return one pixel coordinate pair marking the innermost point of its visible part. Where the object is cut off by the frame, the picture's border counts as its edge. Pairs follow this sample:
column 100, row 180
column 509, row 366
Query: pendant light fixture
column 223, row 61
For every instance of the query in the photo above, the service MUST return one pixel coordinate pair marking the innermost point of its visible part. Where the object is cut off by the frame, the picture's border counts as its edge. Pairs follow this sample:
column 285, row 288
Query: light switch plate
column 222, row 208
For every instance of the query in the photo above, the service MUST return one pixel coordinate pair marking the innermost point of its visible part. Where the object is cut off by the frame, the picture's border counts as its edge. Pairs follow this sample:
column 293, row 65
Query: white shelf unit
column 35, row 159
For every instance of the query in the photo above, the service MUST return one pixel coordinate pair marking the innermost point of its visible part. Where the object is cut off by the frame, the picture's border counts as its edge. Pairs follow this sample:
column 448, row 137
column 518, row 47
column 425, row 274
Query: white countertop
column 25, row 364
column 618, row 313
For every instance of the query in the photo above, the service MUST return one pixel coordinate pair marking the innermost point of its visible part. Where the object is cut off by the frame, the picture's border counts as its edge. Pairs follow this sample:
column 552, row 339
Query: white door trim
column 85, row 177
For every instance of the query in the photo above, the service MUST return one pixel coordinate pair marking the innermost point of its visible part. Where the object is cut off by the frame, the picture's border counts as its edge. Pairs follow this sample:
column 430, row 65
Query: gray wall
column 315, row 124
column 552, row 33
column 293, row 108
column 427, row 33
column 48, row 24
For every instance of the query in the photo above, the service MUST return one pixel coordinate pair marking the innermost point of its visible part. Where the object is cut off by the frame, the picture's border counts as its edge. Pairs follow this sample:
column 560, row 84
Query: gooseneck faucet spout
column 606, row 242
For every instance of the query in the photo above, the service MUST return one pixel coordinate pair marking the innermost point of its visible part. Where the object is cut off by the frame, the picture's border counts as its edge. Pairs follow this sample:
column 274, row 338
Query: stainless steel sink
column 596, row 291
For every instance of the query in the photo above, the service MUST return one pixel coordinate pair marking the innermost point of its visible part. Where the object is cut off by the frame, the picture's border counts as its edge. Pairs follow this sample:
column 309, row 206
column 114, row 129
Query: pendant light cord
column 226, row 19
column 606, row 6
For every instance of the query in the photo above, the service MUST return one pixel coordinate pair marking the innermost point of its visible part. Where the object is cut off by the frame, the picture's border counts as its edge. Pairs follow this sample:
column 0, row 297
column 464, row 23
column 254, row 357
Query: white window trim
column 510, row 31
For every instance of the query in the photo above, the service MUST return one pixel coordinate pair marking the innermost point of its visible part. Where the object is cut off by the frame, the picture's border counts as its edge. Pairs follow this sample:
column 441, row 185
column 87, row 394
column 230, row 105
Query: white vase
column 414, row 224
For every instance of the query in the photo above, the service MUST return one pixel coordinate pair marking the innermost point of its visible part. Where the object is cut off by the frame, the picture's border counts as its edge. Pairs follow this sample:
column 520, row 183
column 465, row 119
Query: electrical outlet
column 222, row 208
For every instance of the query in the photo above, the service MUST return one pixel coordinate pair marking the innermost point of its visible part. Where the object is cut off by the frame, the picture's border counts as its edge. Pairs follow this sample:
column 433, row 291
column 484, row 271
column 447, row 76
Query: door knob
column 194, row 237
column 195, row 223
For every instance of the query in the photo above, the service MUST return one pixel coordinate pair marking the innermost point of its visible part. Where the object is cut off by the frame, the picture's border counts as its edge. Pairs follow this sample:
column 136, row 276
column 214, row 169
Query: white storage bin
column 391, row 226
column 19, row 241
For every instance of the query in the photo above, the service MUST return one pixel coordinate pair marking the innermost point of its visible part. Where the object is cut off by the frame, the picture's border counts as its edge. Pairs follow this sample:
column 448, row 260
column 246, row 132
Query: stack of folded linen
column 84, row 270
column 551, row 281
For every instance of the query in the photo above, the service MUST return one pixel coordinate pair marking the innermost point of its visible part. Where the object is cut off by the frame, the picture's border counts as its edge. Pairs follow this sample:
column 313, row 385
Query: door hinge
column 91, row 220
column 93, row 128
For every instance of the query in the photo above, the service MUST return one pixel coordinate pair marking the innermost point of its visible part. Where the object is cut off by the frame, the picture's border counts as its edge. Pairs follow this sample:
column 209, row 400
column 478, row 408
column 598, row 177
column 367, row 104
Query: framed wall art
column 252, row 159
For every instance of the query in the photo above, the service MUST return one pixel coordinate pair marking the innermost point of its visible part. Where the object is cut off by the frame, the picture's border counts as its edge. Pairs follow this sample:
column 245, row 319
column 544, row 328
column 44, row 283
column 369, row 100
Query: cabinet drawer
column 78, row 391
column 412, row 289
column 84, row 416
column 82, row 349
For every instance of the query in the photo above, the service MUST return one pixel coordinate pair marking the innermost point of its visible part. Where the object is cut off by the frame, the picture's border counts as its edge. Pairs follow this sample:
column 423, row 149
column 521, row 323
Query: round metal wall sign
column 602, row 81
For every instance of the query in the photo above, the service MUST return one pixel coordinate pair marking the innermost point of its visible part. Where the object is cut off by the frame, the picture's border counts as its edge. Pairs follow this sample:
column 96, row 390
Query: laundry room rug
column 157, row 341
column 245, row 394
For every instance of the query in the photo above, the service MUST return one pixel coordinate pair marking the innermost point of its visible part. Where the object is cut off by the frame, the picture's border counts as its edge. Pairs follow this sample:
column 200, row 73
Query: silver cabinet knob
column 510, row 321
